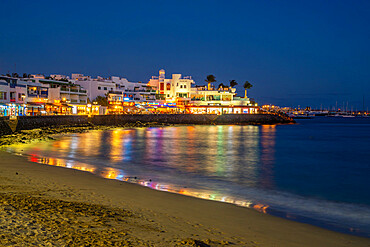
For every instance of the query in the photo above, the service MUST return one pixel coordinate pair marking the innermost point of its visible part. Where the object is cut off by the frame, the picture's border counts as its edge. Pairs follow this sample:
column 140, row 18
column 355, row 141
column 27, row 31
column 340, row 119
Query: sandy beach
column 46, row 205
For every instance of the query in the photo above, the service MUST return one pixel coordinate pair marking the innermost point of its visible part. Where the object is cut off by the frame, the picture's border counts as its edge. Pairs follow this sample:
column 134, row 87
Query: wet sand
column 45, row 205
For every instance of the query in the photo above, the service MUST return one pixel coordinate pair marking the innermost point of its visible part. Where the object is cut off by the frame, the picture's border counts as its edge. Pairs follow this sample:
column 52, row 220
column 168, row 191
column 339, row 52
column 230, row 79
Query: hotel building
column 199, row 99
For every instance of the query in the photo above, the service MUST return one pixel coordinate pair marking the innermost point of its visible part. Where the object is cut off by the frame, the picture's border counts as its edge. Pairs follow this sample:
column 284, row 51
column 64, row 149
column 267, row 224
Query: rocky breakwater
column 4, row 126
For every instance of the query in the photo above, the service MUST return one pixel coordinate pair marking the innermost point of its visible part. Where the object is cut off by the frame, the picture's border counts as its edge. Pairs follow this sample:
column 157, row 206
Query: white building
column 199, row 99
column 116, row 87
column 177, row 88
column 12, row 97
column 61, row 91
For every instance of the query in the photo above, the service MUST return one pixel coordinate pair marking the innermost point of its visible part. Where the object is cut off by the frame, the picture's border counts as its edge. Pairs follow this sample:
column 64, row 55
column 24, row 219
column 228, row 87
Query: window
column 180, row 86
column 161, row 86
column 20, row 98
column 168, row 86
column 2, row 95
column 32, row 91
column 105, row 88
column 184, row 86
column 182, row 95
column 99, row 88
column 177, row 84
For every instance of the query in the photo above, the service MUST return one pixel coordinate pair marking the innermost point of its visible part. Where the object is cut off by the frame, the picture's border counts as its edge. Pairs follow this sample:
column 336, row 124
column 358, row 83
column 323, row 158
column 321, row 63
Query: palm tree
column 210, row 79
column 246, row 86
column 233, row 83
column 221, row 86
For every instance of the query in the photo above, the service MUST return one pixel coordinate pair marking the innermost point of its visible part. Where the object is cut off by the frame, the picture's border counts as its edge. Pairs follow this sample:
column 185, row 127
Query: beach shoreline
column 136, row 215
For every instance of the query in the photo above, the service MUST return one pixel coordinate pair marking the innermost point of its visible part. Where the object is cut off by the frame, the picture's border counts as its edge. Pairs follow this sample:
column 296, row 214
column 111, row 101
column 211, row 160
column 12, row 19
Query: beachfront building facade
column 12, row 97
column 175, row 90
column 80, row 95
column 19, row 98
column 199, row 99
column 209, row 100
column 122, row 95
column 36, row 96
column 65, row 97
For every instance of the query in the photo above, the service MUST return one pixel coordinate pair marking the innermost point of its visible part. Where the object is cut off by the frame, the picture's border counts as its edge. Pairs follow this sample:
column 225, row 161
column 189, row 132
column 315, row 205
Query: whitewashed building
column 115, row 87
column 178, row 88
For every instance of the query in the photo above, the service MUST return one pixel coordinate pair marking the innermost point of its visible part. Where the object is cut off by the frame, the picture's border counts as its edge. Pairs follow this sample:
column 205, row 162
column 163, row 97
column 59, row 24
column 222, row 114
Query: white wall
column 6, row 89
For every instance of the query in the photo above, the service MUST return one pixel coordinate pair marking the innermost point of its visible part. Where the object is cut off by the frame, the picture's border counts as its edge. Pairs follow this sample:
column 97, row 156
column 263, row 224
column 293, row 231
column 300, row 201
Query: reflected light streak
column 113, row 173
column 267, row 155
column 116, row 145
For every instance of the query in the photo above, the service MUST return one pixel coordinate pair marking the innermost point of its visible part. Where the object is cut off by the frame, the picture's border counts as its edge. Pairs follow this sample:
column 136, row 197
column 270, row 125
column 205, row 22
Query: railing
column 68, row 90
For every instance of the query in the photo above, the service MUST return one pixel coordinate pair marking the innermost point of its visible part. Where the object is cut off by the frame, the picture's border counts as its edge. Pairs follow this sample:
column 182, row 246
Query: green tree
column 103, row 101
column 25, row 75
column 246, row 86
column 233, row 83
column 209, row 80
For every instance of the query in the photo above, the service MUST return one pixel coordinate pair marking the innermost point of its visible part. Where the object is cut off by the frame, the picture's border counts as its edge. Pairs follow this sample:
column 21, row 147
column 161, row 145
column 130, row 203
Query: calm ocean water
column 317, row 171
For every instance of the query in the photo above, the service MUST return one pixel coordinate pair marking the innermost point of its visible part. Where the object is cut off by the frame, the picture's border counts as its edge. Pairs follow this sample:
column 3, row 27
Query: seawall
column 8, row 126
column 205, row 119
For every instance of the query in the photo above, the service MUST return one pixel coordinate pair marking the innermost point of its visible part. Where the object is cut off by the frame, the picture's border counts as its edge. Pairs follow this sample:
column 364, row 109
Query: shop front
column 218, row 109
column 36, row 109
column 13, row 110
column 58, row 109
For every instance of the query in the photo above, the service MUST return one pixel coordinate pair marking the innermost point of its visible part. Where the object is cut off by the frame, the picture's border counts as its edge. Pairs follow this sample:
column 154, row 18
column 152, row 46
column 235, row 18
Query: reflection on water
column 234, row 164
column 168, row 158
column 117, row 174
column 267, row 156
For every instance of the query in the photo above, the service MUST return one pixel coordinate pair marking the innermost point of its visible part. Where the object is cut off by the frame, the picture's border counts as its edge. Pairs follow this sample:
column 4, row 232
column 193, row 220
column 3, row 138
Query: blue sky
column 293, row 52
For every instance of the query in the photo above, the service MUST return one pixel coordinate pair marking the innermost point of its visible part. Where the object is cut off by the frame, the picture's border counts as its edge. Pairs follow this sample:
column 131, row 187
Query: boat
column 300, row 116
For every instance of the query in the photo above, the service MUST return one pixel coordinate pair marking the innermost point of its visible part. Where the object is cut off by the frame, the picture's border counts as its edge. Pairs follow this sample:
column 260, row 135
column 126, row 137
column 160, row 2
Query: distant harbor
column 308, row 113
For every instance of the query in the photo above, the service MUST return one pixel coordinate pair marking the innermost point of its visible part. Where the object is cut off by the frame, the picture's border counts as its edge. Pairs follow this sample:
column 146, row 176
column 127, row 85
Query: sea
column 316, row 171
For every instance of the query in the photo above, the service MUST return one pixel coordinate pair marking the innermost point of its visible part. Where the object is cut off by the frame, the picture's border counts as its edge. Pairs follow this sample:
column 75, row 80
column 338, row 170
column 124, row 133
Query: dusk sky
column 293, row 52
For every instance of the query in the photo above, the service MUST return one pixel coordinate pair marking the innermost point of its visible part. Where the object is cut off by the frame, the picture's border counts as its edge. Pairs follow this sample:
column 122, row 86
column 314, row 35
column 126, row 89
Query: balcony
column 72, row 90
